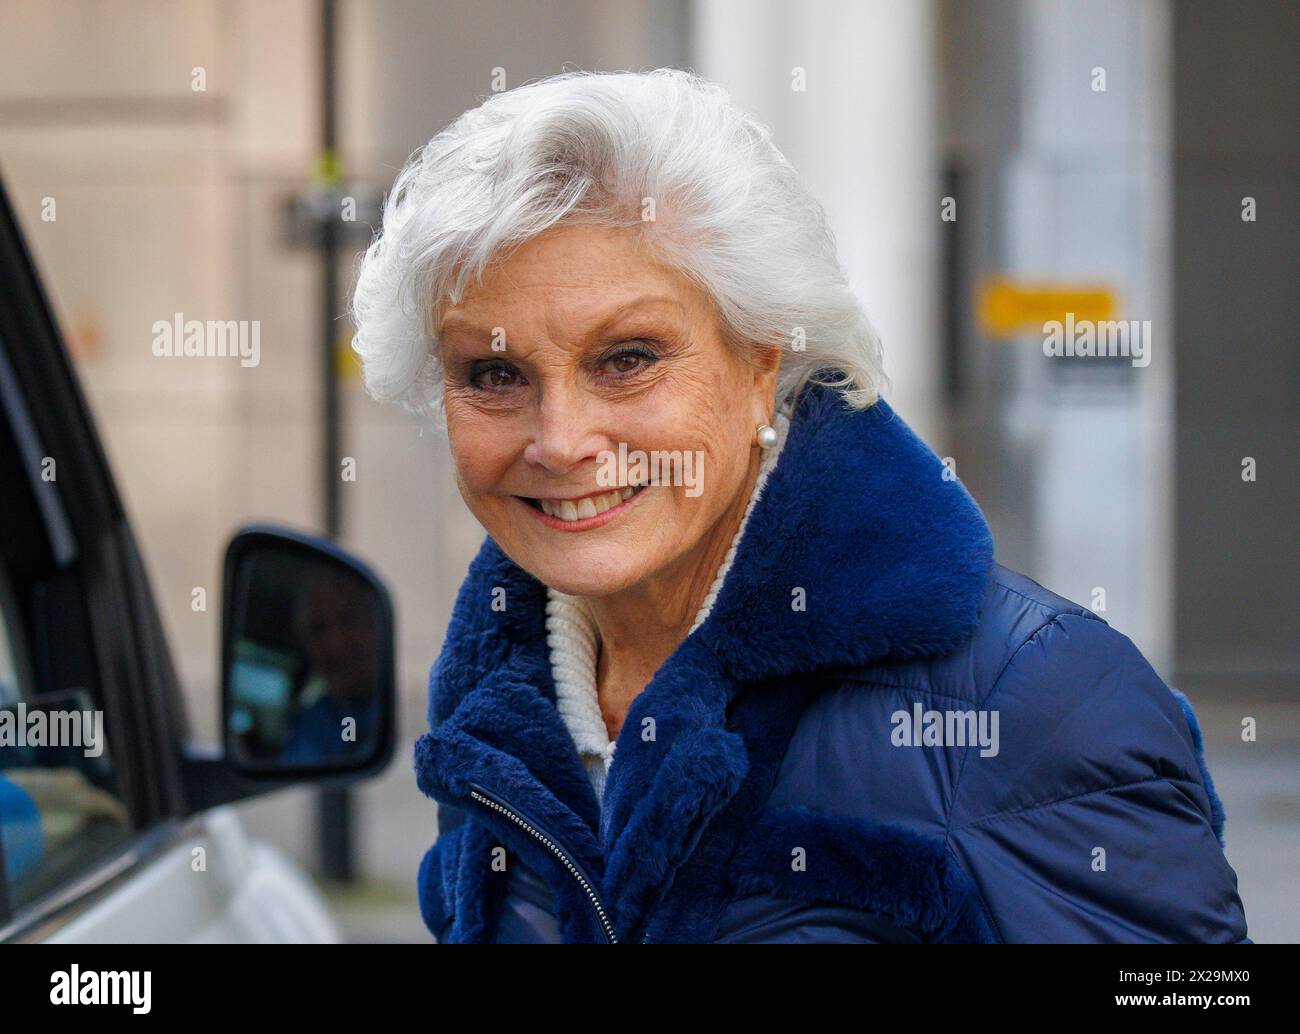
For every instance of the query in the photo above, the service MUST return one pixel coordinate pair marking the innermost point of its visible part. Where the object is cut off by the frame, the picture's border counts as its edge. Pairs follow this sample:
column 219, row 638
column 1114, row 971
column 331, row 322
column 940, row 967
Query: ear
column 767, row 358
column 766, row 361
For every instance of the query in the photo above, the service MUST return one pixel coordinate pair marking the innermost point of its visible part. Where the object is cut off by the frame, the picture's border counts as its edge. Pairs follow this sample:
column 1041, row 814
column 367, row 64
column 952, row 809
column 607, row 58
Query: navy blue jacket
column 773, row 783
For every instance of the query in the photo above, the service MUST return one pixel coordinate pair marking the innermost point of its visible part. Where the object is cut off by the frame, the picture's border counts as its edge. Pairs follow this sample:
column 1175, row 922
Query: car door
column 104, row 832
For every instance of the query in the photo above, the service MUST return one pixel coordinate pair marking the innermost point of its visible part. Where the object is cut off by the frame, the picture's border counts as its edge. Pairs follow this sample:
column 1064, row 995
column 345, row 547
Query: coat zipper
column 563, row 856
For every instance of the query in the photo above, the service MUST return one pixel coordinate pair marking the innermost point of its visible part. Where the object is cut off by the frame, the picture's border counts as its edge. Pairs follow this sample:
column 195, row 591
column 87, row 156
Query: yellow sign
column 1008, row 307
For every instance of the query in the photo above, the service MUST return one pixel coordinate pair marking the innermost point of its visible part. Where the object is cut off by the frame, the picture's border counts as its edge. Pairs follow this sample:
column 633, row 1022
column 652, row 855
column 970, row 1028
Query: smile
column 590, row 511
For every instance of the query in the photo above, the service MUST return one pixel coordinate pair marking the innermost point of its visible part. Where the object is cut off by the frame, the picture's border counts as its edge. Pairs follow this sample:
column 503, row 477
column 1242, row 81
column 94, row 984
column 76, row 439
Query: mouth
column 589, row 511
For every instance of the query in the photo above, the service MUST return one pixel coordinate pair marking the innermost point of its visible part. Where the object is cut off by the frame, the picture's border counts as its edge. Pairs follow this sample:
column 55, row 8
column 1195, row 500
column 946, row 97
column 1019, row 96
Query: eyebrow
column 455, row 321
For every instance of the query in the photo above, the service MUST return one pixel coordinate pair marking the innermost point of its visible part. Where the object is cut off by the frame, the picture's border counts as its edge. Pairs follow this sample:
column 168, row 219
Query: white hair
column 729, row 212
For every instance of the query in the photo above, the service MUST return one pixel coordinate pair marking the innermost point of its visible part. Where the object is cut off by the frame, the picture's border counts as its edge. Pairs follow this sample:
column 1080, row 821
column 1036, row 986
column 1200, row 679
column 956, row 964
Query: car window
column 61, row 809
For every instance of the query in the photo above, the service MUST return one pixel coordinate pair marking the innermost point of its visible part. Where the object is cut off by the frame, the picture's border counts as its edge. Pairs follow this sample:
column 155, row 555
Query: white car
column 112, row 829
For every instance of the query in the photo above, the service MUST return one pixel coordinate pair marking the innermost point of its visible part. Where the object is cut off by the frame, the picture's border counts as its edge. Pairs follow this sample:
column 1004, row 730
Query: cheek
column 718, row 425
column 481, row 452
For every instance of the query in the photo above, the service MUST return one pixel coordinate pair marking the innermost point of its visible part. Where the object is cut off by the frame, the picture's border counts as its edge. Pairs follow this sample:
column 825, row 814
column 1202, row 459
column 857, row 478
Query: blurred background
column 985, row 164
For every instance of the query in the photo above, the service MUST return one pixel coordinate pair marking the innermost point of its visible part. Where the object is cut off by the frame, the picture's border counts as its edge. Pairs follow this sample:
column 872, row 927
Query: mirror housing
column 308, row 685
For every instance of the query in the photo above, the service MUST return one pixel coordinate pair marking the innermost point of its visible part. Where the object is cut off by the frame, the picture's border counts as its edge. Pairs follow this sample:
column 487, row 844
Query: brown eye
column 496, row 377
column 630, row 360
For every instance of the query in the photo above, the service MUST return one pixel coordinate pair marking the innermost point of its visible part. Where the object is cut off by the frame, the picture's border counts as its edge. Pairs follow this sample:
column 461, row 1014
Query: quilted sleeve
column 1095, row 820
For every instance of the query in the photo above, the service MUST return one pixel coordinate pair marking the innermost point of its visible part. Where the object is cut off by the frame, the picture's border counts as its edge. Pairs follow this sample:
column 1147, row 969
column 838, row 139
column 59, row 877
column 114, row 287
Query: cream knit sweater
column 574, row 645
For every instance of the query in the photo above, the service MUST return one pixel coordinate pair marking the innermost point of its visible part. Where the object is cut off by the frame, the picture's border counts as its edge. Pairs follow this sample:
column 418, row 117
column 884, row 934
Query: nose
column 563, row 437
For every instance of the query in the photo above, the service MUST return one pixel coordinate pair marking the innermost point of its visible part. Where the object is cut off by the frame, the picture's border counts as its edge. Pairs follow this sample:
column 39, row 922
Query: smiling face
column 599, row 349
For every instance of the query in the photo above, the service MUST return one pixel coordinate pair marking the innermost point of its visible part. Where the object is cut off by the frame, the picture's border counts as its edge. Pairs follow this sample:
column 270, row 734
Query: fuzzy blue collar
column 890, row 558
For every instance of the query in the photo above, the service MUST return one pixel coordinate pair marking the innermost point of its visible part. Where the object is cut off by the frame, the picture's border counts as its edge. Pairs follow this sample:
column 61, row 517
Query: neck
column 639, row 628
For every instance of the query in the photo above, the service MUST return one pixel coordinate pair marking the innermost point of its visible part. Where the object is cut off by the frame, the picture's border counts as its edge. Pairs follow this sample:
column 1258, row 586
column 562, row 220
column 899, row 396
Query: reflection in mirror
column 306, row 664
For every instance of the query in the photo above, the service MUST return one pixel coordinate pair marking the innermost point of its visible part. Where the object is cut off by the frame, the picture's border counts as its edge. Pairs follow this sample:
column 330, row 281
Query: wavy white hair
column 730, row 213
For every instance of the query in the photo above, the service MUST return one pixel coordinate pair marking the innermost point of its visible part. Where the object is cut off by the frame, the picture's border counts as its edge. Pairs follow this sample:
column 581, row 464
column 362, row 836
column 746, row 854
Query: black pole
column 334, row 807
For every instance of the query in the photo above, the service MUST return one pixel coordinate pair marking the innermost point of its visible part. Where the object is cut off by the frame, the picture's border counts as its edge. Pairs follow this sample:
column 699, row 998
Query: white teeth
column 566, row 510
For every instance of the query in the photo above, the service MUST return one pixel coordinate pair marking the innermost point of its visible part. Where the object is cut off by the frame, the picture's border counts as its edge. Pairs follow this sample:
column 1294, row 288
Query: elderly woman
column 735, row 662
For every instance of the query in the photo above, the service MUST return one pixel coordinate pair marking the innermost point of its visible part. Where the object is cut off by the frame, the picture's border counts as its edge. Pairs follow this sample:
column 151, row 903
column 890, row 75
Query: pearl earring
column 767, row 436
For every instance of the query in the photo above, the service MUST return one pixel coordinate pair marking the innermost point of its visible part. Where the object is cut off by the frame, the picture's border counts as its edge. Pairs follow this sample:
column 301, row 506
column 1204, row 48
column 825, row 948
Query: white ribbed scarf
column 573, row 643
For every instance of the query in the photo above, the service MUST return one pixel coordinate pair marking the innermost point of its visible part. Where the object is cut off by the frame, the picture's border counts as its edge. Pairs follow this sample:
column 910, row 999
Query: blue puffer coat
column 878, row 735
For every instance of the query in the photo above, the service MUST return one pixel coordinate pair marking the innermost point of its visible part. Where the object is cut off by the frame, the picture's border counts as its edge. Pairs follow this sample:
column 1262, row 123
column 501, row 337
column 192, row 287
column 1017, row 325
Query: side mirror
column 307, row 669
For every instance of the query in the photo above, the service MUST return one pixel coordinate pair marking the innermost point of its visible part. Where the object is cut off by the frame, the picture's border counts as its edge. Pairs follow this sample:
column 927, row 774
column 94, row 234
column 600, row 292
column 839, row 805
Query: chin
column 585, row 576
column 578, row 568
